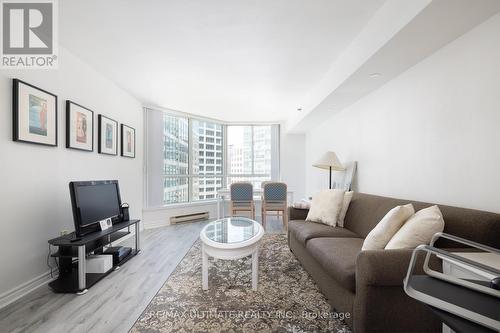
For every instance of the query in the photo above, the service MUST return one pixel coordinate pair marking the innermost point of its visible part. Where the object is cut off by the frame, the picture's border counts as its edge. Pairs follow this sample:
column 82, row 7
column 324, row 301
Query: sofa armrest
column 380, row 294
column 297, row 214
column 388, row 267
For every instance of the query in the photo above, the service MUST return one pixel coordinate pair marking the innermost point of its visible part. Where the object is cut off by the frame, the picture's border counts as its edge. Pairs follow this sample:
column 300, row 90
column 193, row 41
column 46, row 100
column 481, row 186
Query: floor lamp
column 329, row 161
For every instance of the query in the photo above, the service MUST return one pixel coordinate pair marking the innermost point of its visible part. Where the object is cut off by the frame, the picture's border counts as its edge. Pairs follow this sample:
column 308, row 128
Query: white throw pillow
column 326, row 207
column 419, row 229
column 345, row 207
column 378, row 238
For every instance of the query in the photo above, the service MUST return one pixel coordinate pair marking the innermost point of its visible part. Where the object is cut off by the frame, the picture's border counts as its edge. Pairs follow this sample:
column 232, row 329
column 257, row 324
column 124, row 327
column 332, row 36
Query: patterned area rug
column 287, row 299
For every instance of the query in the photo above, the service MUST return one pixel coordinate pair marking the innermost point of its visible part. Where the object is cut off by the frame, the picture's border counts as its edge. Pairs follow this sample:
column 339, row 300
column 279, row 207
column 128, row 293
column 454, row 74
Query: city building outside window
column 197, row 157
column 175, row 159
column 206, row 170
column 249, row 153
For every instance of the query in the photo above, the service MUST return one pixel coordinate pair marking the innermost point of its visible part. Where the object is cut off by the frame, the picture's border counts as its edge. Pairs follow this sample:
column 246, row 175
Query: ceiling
column 400, row 35
column 231, row 60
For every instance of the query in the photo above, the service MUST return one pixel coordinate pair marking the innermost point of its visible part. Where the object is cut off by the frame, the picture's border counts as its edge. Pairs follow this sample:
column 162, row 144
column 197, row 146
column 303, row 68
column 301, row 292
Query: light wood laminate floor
column 115, row 303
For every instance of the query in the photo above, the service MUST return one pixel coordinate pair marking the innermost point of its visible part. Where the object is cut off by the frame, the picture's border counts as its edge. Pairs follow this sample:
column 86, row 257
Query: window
column 204, row 131
column 175, row 159
column 187, row 172
column 249, row 153
column 190, row 159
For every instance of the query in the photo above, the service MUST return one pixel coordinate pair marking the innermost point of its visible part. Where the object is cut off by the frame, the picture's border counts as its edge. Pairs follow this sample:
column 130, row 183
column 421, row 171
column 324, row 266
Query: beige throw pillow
column 326, row 207
column 419, row 229
column 345, row 207
column 378, row 238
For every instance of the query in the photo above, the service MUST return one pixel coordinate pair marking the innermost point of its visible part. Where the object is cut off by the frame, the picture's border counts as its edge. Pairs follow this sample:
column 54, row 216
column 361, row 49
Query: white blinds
column 154, row 157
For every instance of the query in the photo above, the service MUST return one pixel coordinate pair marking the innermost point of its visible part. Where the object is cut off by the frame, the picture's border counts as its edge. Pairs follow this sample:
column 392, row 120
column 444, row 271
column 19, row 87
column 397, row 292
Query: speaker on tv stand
column 124, row 208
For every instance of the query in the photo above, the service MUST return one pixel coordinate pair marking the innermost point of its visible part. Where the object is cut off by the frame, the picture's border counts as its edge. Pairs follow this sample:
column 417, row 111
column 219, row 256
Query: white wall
column 431, row 134
column 292, row 163
column 34, row 195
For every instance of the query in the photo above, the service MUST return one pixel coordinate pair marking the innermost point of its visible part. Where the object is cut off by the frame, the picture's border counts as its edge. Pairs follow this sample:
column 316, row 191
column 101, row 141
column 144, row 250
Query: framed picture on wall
column 127, row 141
column 107, row 136
column 34, row 114
column 79, row 127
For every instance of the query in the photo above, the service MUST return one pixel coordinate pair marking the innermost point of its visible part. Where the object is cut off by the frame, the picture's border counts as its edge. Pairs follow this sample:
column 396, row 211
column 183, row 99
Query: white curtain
column 154, row 157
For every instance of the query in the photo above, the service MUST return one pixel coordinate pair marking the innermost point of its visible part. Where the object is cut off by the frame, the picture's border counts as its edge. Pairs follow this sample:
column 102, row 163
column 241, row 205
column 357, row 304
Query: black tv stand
column 72, row 275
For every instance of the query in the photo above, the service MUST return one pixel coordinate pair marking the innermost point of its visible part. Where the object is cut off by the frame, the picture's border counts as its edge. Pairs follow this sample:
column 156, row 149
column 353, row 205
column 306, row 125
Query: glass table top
column 231, row 230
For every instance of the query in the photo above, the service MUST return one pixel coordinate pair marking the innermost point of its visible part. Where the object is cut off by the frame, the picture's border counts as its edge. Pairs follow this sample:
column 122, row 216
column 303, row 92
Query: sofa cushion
column 345, row 207
column 326, row 207
column 337, row 256
column 304, row 231
column 419, row 229
column 378, row 238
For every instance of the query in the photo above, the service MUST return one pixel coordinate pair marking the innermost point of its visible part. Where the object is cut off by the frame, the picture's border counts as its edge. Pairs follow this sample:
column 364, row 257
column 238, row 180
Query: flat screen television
column 94, row 201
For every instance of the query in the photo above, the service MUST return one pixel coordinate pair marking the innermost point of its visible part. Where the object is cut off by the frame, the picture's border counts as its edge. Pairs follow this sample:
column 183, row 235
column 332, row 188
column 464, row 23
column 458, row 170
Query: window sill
column 180, row 205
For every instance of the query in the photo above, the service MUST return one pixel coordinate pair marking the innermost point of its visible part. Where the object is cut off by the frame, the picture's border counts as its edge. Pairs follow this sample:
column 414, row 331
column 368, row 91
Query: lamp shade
column 329, row 160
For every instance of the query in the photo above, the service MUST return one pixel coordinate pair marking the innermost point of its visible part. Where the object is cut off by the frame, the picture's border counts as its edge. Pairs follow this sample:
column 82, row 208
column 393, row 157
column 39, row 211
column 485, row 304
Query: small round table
column 228, row 239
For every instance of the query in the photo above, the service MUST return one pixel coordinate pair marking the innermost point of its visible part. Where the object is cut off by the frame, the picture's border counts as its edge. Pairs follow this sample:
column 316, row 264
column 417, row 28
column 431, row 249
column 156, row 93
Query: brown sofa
column 368, row 284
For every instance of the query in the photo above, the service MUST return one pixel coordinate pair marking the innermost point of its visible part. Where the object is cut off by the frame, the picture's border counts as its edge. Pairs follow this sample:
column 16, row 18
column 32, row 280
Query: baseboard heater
column 189, row 218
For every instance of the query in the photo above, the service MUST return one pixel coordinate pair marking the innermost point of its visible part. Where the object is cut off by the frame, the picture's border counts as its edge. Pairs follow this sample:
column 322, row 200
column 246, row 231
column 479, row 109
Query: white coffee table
column 229, row 239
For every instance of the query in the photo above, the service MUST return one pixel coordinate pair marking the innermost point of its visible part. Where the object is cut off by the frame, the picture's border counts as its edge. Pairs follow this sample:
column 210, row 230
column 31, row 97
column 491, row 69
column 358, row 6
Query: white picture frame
column 105, row 224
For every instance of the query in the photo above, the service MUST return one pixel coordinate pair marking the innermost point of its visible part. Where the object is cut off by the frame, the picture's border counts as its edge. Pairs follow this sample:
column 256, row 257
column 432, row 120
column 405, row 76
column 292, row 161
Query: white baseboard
column 160, row 223
column 16, row 293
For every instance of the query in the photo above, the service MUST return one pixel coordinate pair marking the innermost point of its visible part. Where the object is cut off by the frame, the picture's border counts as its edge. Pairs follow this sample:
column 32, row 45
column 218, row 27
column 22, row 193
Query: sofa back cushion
column 418, row 229
column 366, row 210
column 390, row 224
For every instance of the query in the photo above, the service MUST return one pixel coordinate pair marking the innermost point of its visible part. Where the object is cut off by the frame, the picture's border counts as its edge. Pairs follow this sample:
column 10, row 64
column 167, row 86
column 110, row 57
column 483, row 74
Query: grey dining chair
column 242, row 199
column 274, row 199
